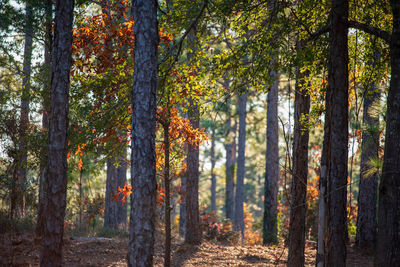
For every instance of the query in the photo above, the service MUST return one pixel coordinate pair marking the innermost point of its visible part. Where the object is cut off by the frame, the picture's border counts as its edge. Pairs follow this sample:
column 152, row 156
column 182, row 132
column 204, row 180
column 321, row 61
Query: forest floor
column 24, row 250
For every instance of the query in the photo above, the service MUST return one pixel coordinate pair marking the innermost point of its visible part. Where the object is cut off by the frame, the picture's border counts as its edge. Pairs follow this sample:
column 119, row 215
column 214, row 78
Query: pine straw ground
column 23, row 250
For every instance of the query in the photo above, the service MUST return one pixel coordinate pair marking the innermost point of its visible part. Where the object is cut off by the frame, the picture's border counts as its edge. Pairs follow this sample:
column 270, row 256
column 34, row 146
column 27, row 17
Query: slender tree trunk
column 45, row 120
column 272, row 166
column 182, row 207
column 338, row 152
column 19, row 193
column 367, row 196
column 388, row 237
column 144, row 105
column 115, row 212
column 213, row 176
column 167, row 253
column 298, row 209
column 193, row 231
column 80, row 197
column 230, row 148
column 51, row 254
column 239, row 197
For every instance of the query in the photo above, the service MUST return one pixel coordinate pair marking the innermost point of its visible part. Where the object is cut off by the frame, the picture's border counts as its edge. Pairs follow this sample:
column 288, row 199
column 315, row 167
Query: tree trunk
column 115, row 212
column 51, row 254
column 193, row 231
column 298, row 209
column 182, row 207
column 388, row 237
column 367, row 196
column 143, row 167
column 45, row 120
column 18, row 206
column 239, row 197
column 167, row 252
column 213, row 177
column 338, row 152
column 272, row 165
column 230, row 148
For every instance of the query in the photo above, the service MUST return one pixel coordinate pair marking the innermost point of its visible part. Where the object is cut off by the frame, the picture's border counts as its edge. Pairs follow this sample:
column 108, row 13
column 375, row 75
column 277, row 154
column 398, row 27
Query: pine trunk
column 388, row 237
column 338, row 151
column 367, row 196
column 115, row 212
column 272, row 166
column 193, row 231
column 144, row 105
column 213, row 176
column 239, row 197
column 298, row 209
column 51, row 254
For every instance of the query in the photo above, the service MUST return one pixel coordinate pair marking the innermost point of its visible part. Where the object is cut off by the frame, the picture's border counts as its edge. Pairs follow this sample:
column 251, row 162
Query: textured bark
column 18, row 195
column 213, row 176
column 193, row 231
column 230, row 148
column 272, row 166
column 51, row 254
column 182, row 208
column 143, row 167
column 167, row 252
column 45, row 120
column 367, row 196
column 338, row 152
column 388, row 237
column 240, row 173
column 115, row 212
column 298, row 209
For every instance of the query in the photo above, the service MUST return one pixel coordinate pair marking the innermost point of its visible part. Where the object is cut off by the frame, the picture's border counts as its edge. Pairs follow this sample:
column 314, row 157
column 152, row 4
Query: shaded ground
column 23, row 250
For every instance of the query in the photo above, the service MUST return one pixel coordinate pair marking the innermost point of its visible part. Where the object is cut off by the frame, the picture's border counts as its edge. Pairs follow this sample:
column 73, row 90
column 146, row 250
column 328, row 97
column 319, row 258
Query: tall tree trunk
column 45, row 119
column 367, row 196
column 239, row 197
column 144, row 105
column 272, row 165
column 167, row 252
column 213, row 176
column 115, row 212
column 51, row 254
column 182, row 207
column 388, row 237
column 338, row 152
column 298, row 209
column 230, row 148
column 193, row 231
column 19, row 193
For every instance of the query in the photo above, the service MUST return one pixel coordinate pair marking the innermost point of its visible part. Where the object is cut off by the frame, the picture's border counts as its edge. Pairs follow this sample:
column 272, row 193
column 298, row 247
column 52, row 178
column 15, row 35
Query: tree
column 367, row 196
column 213, row 176
column 143, row 166
column 298, row 205
column 51, row 254
column 240, row 172
column 272, row 165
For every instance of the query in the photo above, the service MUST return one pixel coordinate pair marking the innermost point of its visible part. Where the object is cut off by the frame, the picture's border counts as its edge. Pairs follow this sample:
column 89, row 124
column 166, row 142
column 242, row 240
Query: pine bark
column 143, row 166
column 298, row 209
column 182, row 207
column 338, row 152
column 18, row 195
column 272, row 165
column 213, row 176
column 367, row 196
column 388, row 237
column 193, row 231
column 51, row 254
column 115, row 212
column 230, row 148
column 240, row 173
column 45, row 120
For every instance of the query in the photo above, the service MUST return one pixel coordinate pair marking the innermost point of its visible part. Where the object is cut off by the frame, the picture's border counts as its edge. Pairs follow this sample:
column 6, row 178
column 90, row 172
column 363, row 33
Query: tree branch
column 324, row 29
column 370, row 29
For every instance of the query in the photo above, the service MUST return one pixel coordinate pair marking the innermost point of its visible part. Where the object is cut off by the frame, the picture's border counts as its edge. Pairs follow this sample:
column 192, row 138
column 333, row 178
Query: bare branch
column 370, row 29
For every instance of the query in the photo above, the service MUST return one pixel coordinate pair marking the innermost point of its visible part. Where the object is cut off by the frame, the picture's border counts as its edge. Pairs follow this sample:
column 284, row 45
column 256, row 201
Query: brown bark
column 51, row 254
column 167, row 253
column 388, row 237
column 193, row 231
column 298, row 207
column 240, row 172
column 143, row 169
column 272, row 166
column 338, row 152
